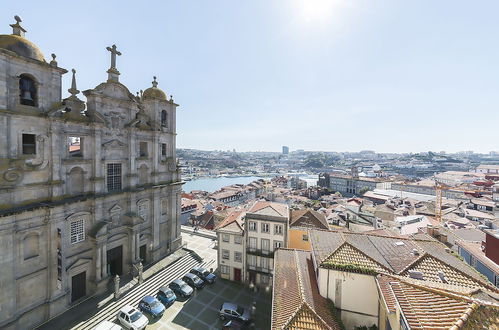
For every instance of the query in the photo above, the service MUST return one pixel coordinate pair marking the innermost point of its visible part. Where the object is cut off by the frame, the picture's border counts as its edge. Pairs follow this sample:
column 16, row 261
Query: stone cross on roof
column 113, row 73
column 17, row 29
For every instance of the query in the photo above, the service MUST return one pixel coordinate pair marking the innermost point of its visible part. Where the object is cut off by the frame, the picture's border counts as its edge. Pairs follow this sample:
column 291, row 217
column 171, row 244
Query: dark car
column 166, row 296
column 204, row 274
column 231, row 311
column 152, row 306
column 181, row 288
column 193, row 281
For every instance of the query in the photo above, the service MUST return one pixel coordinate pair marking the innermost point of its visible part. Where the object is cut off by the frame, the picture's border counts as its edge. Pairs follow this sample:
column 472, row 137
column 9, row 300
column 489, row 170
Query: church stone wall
column 66, row 225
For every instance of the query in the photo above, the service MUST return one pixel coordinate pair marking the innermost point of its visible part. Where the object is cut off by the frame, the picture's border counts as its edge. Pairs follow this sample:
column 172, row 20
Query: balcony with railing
column 260, row 252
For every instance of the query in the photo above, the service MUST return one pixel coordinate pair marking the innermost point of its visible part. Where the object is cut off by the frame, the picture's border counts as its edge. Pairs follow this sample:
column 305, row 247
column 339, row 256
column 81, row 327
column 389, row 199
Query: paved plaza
column 201, row 311
column 198, row 312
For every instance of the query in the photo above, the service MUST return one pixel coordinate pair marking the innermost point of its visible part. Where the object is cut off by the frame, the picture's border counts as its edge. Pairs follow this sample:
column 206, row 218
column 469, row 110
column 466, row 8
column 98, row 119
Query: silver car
column 231, row 311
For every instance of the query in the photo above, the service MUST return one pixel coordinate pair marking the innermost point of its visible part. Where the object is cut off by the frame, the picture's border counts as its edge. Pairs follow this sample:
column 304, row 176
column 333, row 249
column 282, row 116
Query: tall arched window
column 27, row 90
column 164, row 115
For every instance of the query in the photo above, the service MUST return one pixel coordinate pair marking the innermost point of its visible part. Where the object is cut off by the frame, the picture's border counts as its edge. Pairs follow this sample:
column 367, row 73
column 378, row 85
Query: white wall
column 355, row 294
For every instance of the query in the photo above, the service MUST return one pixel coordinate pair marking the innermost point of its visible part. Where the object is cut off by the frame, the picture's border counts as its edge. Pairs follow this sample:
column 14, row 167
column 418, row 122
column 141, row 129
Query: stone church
column 88, row 188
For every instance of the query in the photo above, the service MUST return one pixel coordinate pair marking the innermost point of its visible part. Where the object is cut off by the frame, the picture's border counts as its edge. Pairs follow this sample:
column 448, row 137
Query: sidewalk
column 199, row 232
column 88, row 307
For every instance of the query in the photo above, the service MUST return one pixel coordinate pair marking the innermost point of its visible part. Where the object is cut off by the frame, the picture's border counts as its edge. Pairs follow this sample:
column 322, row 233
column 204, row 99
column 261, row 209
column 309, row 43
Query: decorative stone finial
column 17, row 29
column 171, row 98
column 73, row 90
column 53, row 62
column 154, row 83
column 113, row 73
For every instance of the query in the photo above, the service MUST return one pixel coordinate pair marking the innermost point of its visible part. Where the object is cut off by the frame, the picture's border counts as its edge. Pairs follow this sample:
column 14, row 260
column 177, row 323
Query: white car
column 106, row 325
column 131, row 318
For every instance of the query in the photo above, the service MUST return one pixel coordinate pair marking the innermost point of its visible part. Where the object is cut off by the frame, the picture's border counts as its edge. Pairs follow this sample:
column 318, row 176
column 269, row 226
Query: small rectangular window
column 29, row 144
column 75, row 146
column 226, row 254
column 305, row 238
column 238, row 257
column 77, row 231
column 113, row 177
column 252, row 226
column 163, row 149
column 277, row 244
column 238, row 239
column 265, row 227
column 225, row 237
column 278, row 229
column 143, row 149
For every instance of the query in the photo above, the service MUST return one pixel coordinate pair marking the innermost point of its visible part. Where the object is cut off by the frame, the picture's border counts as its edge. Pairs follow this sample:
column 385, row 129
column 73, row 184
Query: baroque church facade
column 88, row 189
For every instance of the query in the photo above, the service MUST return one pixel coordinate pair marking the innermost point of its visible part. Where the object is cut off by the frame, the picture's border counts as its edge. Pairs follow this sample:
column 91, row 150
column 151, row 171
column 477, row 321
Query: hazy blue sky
column 339, row 75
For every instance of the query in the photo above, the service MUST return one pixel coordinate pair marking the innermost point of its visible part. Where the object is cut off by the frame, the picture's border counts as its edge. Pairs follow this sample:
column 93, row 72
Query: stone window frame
column 304, row 237
column 117, row 183
column 265, row 228
column 253, row 226
column 278, row 230
column 253, row 246
column 224, row 269
column 77, row 231
column 226, row 238
column 36, row 100
column 276, row 243
column 143, row 149
column 80, row 155
column 164, row 118
column 226, row 254
column 238, row 239
column 22, row 144
column 238, row 256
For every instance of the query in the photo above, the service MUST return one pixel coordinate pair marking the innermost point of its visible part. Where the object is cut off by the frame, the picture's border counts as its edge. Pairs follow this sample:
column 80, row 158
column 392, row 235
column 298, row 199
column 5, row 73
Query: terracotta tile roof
column 308, row 218
column 233, row 222
column 269, row 208
column 296, row 302
column 430, row 266
column 427, row 308
column 348, row 255
column 395, row 256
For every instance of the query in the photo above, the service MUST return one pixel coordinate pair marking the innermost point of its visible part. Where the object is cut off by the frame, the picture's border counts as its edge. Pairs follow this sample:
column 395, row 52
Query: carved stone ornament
column 114, row 144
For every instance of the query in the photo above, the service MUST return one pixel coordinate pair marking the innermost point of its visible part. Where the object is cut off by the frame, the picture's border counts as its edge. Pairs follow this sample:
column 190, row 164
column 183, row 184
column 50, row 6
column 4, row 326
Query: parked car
column 151, row 305
column 204, row 274
column 193, row 281
column 107, row 325
column 181, row 288
column 234, row 325
column 131, row 318
column 231, row 311
column 166, row 296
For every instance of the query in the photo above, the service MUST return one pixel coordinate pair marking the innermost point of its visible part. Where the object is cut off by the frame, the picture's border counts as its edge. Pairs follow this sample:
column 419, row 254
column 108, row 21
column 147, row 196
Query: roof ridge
column 299, row 279
column 481, row 282
column 358, row 250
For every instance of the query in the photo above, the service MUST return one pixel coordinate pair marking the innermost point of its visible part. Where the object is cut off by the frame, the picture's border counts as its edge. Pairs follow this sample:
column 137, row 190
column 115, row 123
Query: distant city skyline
column 334, row 75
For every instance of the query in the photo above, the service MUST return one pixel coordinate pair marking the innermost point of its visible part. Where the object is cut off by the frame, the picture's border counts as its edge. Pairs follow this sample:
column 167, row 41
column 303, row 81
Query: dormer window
column 27, row 91
column 163, row 118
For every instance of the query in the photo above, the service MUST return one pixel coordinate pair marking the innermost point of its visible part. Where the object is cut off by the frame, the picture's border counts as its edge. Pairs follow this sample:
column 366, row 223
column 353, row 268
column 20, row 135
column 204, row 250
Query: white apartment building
column 232, row 247
column 266, row 230
column 247, row 241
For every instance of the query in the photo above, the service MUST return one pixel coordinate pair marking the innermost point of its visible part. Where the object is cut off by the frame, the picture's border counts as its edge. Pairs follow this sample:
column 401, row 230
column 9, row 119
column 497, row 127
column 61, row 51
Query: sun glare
column 317, row 10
